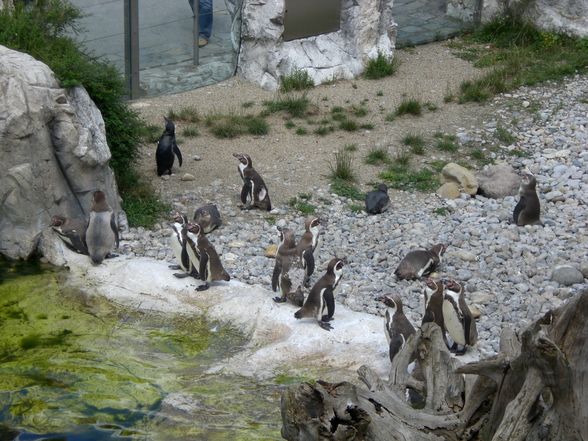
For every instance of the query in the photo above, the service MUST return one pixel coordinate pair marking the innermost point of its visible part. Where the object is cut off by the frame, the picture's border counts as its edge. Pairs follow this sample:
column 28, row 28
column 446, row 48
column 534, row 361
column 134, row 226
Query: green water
column 79, row 367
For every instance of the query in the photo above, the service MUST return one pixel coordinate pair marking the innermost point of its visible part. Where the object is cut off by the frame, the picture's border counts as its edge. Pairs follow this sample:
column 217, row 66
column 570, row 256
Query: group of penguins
column 445, row 302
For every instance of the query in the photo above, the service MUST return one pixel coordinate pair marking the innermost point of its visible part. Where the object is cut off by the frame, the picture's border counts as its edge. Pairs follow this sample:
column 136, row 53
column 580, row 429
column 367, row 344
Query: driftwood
column 536, row 388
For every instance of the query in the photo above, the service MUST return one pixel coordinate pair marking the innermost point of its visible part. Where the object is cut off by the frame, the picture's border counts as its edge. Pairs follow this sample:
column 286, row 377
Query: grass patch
column 346, row 189
column 380, row 67
column 377, row 156
column 324, row 130
column 359, row 111
column 350, row 147
column 232, row 126
column 415, row 142
column 404, row 178
column 295, row 107
column 390, row 117
column 367, row 126
column 301, row 204
column 191, row 132
column 342, row 169
column 150, row 133
column 297, row 80
column 185, row 114
column 504, row 135
column 301, row 131
column 348, row 125
column 441, row 211
column 290, row 124
column 379, row 93
column 520, row 55
column 409, row 106
column 447, row 143
column 402, row 158
column 142, row 206
column 356, row 208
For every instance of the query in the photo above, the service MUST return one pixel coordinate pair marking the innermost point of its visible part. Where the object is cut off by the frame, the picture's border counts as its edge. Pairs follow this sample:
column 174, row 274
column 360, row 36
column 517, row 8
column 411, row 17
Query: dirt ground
column 292, row 164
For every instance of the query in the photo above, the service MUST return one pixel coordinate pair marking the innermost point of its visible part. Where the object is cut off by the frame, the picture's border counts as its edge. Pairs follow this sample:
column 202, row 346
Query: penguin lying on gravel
column 72, row 232
column 208, row 218
column 254, row 192
column 322, row 297
column 166, row 149
column 396, row 326
column 102, row 231
column 377, row 201
column 419, row 263
column 528, row 209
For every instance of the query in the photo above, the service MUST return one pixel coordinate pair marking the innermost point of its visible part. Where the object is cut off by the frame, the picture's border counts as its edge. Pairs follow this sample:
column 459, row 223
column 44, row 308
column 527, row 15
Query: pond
column 75, row 368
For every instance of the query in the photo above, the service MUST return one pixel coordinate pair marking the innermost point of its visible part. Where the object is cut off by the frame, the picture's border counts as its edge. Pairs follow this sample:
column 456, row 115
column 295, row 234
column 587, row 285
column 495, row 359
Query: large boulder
column 498, row 181
column 367, row 28
column 453, row 172
column 53, row 152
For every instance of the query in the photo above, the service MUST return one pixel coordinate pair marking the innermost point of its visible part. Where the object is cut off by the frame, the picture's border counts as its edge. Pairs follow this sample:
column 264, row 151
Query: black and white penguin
column 286, row 255
column 322, row 297
column 166, row 149
column 72, row 232
column 528, row 209
column 457, row 317
column 377, row 201
column 419, row 263
column 397, row 327
column 307, row 245
column 179, row 245
column 210, row 266
column 102, row 231
column 434, row 304
column 254, row 192
column 208, row 217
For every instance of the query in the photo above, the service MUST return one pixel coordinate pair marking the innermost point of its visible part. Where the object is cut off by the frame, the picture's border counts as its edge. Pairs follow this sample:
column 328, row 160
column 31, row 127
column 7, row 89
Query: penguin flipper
column 203, row 266
column 177, row 152
column 396, row 344
column 276, row 276
column 246, row 190
column 329, row 299
column 114, row 228
column 518, row 208
column 308, row 262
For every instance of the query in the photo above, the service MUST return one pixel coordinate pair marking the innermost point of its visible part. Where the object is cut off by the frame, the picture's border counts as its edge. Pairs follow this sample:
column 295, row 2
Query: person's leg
column 205, row 18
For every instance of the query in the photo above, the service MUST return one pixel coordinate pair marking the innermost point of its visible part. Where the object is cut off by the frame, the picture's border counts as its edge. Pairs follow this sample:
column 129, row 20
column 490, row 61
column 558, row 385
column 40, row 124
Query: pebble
column 513, row 274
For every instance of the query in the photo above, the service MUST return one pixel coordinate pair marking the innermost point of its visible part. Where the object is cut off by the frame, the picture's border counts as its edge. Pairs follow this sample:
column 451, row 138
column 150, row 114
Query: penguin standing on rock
column 286, row 255
column 321, row 296
column 307, row 246
column 208, row 218
column 178, row 242
column 434, row 305
column 254, row 192
column 166, row 149
column 210, row 266
column 102, row 231
column 72, row 232
column 397, row 327
column 458, row 319
column 419, row 263
column 377, row 201
column 528, row 209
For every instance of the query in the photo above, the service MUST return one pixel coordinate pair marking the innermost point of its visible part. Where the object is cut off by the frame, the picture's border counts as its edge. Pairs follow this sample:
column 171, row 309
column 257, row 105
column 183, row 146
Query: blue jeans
column 204, row 17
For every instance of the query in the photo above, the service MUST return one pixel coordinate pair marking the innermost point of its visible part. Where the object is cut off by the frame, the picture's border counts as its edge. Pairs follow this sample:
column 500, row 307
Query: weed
column 504, row 135
column 409, row 106
column 339, row 117
column 390, row 117
column 355, row 208
column 437, row 165
column 290, row 124
column 295, row 107
column 297, row 80
column 346, row 189
column 301, row 131
column 377, row 156
column 248, row 104
column 380, row 67
column 191, row 132
column 359, row 111
column 231, row 125
column 271, row 220
column 186, row 114
column 348, row 125
column 447, row 143
column 367, row 126
column 150, row 133
column 350, row 147
column 415, row 142
column 402, row 158
column 323, row 130
column 301, row 204
column 379, row 93
column 442, row 211
column 342, row 169
column 401, row 177
column 431, row 107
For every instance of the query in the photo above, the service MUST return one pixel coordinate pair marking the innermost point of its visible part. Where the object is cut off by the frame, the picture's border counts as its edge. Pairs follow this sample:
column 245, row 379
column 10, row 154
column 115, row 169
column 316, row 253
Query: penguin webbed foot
column 279, row 299
column 174, row 267
column 325, row 325
column 326, row 318
column 181, row 275
column 203, row 287
column 111, row 256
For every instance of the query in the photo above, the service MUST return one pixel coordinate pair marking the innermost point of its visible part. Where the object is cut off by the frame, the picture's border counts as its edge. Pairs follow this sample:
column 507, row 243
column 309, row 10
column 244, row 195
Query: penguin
column 396, row 325
column 208, row 218
column 294, row 297
column 102, row 231
column 179, row 245
column 210, row 267
column 286, row 255
column 166, row 148
column 307, row 246
column 377, row 201
column 72, row 232
column 321, row 296
column 419, row 263
column 434, row 304
column 528, row 209
column 254, row 189
column 457, row 317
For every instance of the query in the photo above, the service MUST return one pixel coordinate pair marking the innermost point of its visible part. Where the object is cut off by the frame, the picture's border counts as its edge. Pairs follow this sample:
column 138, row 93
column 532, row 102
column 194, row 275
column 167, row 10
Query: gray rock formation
column 453, row 172
column 367, row 27
column 498, row 181
column 566, row 275
column 53, row 151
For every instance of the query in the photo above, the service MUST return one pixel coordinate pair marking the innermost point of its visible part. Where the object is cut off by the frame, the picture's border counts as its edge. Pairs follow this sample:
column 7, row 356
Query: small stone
column 165, row 177
column 271, row 251
column 567, row 275
column 197, row 158
column 188, row 177
column 449, row 190
column 526, row 104
column 476, row 313
column 236, row 244
column 584, row 269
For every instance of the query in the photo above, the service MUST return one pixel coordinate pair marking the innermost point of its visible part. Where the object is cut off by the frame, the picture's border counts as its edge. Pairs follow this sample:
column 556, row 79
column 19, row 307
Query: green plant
column 191, row 132
column 359, row 111
column 355, row 208
column 376, row 156
column 186, row 114
column 302, row 205
column 290, row 124
column 504, row 135
column 150, row 133
column 431, row 107
column 295, row 107
column 409, row 106
column 390, row 117
column 248, row 104
column 415, row 142
column 323, row 130
column 447, row 144
column 297, row 80
column 402, row 158
column 380, row 67
column 366, row 126
column 437, row 165
column 301, row 131
column 402, row 177
column 346, row 189
column 442, row 211
column 379, row 93
column 350, row 147
column 348, row 125
column 342, row 169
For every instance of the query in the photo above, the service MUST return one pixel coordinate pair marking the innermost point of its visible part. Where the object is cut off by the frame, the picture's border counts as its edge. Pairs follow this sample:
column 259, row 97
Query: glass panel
column 166, row 42
column 305, row 18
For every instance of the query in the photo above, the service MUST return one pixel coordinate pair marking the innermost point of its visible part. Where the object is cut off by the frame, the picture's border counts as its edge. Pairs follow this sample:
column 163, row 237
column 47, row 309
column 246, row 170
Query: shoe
column 202, row 41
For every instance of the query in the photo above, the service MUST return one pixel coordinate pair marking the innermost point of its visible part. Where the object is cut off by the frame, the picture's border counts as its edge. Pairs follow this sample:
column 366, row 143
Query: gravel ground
column 511, row 274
